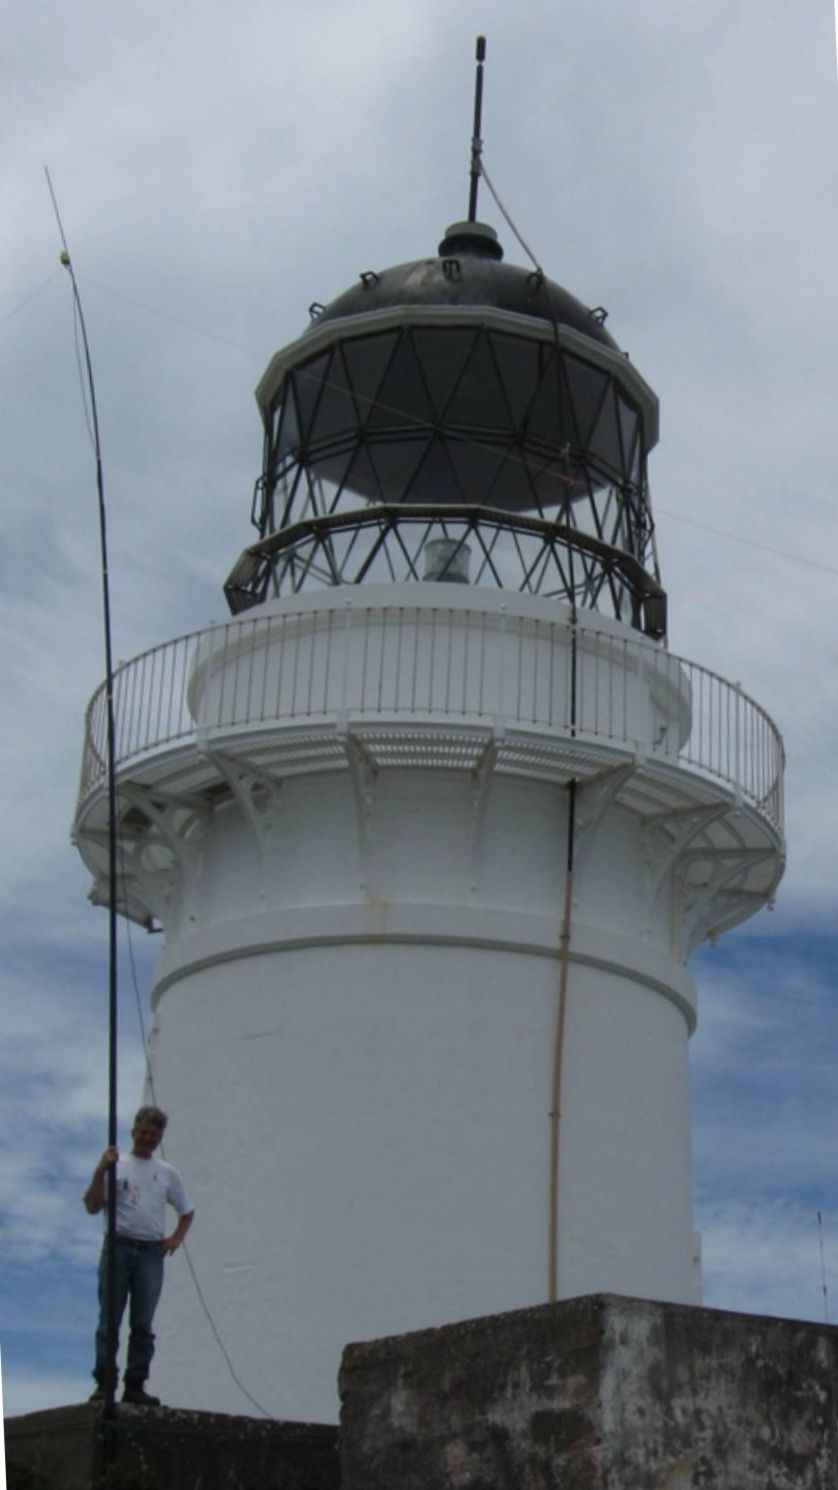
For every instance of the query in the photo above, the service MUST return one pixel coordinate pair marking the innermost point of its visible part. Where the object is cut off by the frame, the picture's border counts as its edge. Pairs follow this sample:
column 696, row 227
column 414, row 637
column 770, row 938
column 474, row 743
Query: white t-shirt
column 143, row 1186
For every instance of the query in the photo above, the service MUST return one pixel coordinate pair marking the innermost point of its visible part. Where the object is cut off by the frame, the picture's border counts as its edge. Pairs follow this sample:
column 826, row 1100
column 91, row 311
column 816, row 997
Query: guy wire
column 27, row 299
column 184, row 1245
column 499, row 204
column 93, row 427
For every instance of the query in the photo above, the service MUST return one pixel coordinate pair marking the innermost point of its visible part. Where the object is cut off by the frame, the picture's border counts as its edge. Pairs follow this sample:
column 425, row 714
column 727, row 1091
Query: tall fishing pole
column 110, row 1376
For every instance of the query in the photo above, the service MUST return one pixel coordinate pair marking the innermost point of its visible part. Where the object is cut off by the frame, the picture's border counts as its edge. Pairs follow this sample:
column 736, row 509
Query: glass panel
column 362, row 477
column 366, row 359
column 289, row 425
column 308, row 382
column 435, row 480
column 306, row 499
column 395, row 461
column 442, row 355
column 547, row 422
column 330, row 468
column 605, row 441
column 518, row 361
column 552, row 486
column 585, row 516
column 587, row 386
column 402, row 399
column 629, row 425
column 510, row 488
column 478, row 401
column 477, row 466
column 289, row 495
column 616, row 528
column 336, row 412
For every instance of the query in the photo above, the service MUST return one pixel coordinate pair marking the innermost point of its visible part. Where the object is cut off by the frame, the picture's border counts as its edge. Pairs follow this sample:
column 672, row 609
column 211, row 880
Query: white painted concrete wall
column 354, row 1037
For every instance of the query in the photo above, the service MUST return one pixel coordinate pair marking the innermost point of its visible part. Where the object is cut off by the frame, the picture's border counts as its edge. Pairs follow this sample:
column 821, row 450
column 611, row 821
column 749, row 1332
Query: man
column 143, row 1186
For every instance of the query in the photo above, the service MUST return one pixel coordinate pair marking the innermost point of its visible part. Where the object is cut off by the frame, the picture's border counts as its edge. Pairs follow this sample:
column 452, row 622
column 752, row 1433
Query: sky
column 219, row 168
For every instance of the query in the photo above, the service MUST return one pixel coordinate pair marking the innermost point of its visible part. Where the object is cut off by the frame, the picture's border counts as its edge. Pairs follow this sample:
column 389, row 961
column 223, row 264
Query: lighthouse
column 431, row 826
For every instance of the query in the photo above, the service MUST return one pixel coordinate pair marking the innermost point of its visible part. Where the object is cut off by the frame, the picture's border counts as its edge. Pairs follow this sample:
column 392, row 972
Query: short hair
column 153, row 1115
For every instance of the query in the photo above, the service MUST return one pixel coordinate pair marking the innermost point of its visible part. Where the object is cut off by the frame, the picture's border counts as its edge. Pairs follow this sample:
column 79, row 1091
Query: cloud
column 228, row 172
column 53, row 1105
column 765, row 1259
column 36, row 1389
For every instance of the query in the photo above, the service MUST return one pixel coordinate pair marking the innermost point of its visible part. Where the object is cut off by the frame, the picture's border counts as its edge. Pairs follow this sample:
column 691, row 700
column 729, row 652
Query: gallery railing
column 437, row 663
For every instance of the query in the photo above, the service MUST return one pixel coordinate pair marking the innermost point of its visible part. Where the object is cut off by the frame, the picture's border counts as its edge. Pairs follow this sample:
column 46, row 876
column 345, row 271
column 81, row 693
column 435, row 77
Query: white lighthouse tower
column 431, row 826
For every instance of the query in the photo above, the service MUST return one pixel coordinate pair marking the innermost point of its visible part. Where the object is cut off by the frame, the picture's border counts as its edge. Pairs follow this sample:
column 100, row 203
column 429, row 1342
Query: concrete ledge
column 598, row 1393
column 170, row 1449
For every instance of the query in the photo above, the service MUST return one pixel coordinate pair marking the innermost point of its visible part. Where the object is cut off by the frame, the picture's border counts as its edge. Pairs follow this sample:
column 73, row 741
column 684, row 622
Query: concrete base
column 167, row 1449
column 598, row 1393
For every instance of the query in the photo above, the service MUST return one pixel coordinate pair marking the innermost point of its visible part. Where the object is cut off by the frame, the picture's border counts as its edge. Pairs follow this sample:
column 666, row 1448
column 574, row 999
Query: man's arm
column 171, row 1243
column 94, row 1195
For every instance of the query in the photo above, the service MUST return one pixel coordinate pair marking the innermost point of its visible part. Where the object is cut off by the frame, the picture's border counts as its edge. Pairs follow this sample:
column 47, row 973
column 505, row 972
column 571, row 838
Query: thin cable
column 499, row 204
column 166, row 315
column 220, row 1342
column 766, row 548
column 184, row 1247
column 110, row 1244
column 29, row 298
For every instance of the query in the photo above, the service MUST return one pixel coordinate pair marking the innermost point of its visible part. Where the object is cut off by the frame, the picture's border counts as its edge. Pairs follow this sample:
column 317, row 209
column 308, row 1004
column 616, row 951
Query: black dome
column 468, row 273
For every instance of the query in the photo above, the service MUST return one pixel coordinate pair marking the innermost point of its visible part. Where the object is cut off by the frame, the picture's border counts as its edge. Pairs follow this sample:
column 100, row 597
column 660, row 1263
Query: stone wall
column 600, row 1393
column 168, row 1449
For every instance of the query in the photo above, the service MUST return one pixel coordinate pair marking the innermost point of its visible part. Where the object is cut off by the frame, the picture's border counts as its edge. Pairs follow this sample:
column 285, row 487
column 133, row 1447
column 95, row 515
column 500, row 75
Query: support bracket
column 727, row 865
column 256, row 791
column 176, row 824
column 667, row 835
column 593, row 799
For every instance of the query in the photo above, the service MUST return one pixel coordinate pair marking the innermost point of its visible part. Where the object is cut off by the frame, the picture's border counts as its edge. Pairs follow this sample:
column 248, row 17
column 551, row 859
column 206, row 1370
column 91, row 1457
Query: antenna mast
column 476, row 142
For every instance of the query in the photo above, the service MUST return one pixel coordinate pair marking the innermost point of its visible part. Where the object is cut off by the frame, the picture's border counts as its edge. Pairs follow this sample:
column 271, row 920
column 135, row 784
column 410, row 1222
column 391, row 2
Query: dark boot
column 100, row 1392
column 134, row 1392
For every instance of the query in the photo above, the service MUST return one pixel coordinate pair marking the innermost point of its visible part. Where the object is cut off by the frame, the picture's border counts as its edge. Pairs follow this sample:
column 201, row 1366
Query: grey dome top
column 468, row 272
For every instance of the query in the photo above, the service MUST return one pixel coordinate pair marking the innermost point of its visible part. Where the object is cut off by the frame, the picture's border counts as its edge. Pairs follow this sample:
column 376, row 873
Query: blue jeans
column 139, row 1276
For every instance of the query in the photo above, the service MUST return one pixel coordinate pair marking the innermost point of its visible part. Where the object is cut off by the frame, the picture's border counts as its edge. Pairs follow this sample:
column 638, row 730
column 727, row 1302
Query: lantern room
column 463, row 419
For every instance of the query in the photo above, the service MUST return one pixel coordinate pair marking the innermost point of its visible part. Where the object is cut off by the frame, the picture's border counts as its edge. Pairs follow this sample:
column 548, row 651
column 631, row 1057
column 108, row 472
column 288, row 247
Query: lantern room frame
column 520, row 439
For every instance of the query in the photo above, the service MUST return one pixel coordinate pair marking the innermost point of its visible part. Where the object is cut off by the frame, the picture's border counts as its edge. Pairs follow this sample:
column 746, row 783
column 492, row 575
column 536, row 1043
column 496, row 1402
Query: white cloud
column 34, row 1390
column 765, row 1259
column 53, row 1105
column 230, row 167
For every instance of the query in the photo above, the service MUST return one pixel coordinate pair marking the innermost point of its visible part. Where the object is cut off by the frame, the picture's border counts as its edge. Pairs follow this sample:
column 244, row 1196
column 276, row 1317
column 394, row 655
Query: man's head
column 147, row 1132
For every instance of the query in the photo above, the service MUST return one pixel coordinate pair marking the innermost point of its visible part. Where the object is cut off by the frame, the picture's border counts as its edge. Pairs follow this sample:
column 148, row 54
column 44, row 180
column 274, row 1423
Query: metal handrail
column 431, row 662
